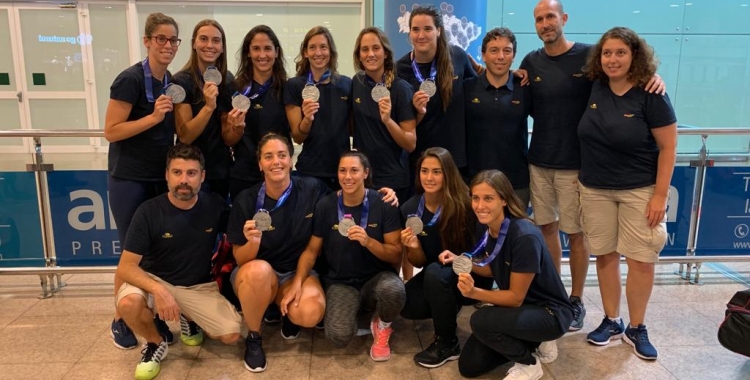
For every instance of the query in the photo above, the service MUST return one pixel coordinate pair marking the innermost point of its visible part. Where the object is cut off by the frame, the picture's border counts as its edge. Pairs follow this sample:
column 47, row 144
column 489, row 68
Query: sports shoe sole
column 635, row 351
column 604, row 343
column 256, row 370
column 450, row 358
column 290, row 337
column 119, row 346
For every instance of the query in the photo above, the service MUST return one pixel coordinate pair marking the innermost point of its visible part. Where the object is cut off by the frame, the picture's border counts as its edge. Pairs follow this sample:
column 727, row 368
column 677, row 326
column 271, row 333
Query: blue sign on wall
column 20, row 226
column 83, row 227
column 725, row 215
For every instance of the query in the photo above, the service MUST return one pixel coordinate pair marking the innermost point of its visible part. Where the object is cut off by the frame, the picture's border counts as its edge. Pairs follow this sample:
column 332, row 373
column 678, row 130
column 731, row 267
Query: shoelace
column 383, row 335
column 642, row 336
column 149, row 351
column 576, row 312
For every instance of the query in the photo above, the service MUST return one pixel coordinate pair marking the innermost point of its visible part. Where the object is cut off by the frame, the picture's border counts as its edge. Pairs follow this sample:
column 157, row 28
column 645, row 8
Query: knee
column 476, row 322
column 437, row 275
column 230, row 339
column 130, row 304
column 550, row 228
column 391, row 288
column 255, row 273
column 465, row 368
column 310, row 310
column 339, row 337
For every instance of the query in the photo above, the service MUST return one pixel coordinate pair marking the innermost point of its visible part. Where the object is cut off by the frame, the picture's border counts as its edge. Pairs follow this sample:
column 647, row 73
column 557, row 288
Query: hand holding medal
column 176, row 92
column 251, row 233
column 462, row 264
column 345, row 224
column 212, row 75
column 262, row 220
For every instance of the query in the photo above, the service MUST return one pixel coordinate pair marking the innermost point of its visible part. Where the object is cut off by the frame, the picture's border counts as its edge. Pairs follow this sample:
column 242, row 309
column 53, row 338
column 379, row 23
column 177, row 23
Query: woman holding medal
column 531, row 304
column 140, row 129
column 198, row 120
column 261, row 78
column 384, row 120
column 358, row 234
column 318, row 107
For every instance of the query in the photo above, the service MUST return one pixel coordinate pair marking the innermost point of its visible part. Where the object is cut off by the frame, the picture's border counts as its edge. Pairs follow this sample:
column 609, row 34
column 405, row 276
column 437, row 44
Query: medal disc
column 262, row 220
column 176, row 92
column 212, row 74
column 428, row 87
column 344, row 226
column 462, row 264
column 379, row 92
column 311, row 92
column 415, row 224
column 241, row 102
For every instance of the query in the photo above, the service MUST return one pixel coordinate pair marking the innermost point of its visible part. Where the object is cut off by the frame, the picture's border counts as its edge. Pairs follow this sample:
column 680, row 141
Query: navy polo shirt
column 559, row 92
column 215, row 152
column 141, row 157
column 497, row 128
column 441, row 128
column 329, row 133
column 429, row 239
column 266, row 114
column 291, row 224
column 390, row 162
column 348, row 261
column 618, row 150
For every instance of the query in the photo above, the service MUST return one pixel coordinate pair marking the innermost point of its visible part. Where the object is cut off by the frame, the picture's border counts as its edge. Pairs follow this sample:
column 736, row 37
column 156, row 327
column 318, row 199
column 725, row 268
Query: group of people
column 324, row 243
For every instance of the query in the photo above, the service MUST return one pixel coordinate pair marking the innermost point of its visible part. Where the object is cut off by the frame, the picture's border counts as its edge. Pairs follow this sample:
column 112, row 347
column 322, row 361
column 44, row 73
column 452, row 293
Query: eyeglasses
column 162, row 40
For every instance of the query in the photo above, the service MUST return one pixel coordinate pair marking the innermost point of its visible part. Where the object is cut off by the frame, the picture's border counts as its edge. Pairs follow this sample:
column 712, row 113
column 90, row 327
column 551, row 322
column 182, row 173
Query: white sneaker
column 547, row 352
column 525, row 372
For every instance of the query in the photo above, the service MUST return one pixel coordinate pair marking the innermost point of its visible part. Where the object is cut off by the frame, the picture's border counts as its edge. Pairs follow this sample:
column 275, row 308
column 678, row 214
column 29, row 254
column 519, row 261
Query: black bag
column 734, row 332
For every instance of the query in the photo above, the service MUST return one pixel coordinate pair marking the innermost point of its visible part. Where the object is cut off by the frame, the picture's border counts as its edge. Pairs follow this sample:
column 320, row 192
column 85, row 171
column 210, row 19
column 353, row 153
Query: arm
column 419, row 100
column 232, row 126
column 299, row 123
column 116, row 126
column 446, row 257
column 249, row 250
column 190, row 126
column 413, row 248
column 402, row 132
column 666, row 139
column 388, row 251
column 129, row 271
column 513, row 297
column 656, row 85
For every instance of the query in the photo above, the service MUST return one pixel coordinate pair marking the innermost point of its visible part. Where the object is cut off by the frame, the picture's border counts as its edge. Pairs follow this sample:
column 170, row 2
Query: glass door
column 11, row 105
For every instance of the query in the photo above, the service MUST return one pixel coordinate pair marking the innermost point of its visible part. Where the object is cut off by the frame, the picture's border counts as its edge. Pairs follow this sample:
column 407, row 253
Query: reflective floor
column 67, row 337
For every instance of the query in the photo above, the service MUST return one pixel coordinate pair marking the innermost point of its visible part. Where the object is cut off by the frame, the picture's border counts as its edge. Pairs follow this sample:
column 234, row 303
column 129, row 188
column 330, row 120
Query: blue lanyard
column 261, row 90
column 262, row 197
column 148, row 76
column 372, row 82
column 483, row 244
column 420, row 211
column 418, row 73
column 323, row 78
column 365, row 210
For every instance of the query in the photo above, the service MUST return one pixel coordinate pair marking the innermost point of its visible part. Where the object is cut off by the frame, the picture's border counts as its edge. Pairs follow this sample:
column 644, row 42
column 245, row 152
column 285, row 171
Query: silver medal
column 241, row 102
column 176, row 92
column 262, row 220
column 415, row 224
column 462, row 264
column 212, row 74
column 428, row 87
column 345, row 224
column 311, row 92
column 380, row 91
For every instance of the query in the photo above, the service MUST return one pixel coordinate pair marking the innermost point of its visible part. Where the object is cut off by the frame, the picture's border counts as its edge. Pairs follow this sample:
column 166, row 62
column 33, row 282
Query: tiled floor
column 67, row 337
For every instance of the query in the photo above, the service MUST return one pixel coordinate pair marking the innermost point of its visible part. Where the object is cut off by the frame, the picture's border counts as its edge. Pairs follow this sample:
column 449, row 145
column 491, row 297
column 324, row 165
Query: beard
column 184, row 196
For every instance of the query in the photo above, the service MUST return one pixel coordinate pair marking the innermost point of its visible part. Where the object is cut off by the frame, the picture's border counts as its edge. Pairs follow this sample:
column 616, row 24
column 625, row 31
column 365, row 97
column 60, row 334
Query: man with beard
column 166, row 261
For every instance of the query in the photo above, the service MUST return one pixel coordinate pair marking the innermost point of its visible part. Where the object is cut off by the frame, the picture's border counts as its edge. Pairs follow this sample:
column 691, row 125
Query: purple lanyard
column 435, row 217
column 148, row 77
column 323, row 78
column 483, row 244
column 262, row 197
column 372, row 82
column 418, row 73
column 365, row 209
column 261, row 90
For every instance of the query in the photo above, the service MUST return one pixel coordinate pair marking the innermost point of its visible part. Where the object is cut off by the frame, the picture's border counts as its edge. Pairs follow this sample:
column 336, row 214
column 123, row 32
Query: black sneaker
column 255, row 358
column 122, row 335
column 273, row 314
column 438, row 353
column 289, row 330
column 579, row 313
column 321, row 325
column 163, row 329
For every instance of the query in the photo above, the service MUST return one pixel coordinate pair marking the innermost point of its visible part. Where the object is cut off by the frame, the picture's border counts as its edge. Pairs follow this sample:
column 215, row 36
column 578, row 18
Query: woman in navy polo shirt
column 531, row 305
column 628, row 150
column 318, row 107
column 140, row 128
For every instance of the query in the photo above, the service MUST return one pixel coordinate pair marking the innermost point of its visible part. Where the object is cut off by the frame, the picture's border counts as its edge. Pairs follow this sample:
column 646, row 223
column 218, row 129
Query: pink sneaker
column 380, row 350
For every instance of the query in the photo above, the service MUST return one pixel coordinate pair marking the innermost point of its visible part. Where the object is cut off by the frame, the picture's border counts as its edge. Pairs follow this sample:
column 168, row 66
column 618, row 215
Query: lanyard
column 323, row 78
column 483, row 244
column 148, row 76
column 261, row 90
column 372, row 82
column 418, row 73
column 365, row 210
column 262, row 197
column 420, row 211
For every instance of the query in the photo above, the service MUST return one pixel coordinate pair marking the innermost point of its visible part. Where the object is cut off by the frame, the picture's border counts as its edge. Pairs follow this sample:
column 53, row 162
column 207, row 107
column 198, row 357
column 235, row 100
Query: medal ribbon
column 418, row 73
column 372, row 82
column 262, row 197
column 483, row 244
column 420, row 211
column 311, row 81
column 261, row 90
column 365, row 210
column 148, row 77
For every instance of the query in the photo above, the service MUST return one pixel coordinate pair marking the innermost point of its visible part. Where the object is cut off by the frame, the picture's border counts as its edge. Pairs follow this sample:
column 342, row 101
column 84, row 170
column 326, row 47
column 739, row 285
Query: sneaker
column 525, row 371
column 638, row 338
column 321, row 325
column 122, row 335
column 607, row 330
column 289, row 330
column 579, row 312
column 150, row 364
column 255, row 358
column 380, row 350
column 438, row 353
column 163, row 329
column 190, row 333
column 547, row 352
column 273, row 314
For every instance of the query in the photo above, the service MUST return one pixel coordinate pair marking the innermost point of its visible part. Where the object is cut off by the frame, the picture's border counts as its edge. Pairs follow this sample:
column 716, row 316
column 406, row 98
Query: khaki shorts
column 201, row 303
column 554, row 196
column 615, row 221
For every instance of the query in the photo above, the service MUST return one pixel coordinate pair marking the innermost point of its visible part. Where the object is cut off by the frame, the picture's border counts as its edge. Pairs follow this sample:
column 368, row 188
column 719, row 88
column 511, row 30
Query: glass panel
column 7, row 72
column 711, row 16
column 110, row 49
column 59, row 114
column 20, row 228
column 51, row 48
column 11, row 120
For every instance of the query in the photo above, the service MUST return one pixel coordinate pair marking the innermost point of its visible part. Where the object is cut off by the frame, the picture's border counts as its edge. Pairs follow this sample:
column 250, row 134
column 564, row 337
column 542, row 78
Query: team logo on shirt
column 475, row 101
column 373, row 225
column 422, row 233
column 210, row 230
column 357, row 101
column 344, row 98
column 578, row 75
column 593, row 106
column 456, row 77
column 516, row 102
column 308, row 216
column 537, row 79
column 629, row 115
column 167, row 236
column 257, row 106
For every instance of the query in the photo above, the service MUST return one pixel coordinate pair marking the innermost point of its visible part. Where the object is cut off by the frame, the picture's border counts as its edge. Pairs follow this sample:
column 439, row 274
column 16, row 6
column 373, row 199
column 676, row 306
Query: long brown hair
column 642, row 67
column 303, row 64
column 456, row 223
column 501, row 184
column 244, row 75
column 389, row 65
column 443, row 55
column 191, row 67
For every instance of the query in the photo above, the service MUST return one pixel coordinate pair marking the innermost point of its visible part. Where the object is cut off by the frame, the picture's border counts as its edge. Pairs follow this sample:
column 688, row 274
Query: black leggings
column 126, row 196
